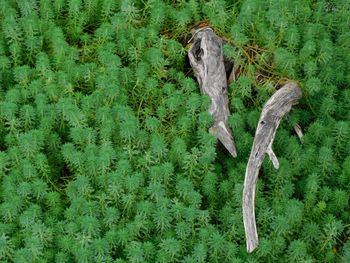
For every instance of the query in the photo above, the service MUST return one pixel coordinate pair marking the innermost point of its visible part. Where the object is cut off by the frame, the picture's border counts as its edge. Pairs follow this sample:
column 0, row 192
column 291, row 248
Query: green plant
column 105, row 154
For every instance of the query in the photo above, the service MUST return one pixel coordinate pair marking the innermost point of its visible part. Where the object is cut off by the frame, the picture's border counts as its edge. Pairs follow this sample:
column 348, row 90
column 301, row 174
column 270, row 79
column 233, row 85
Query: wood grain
column 206, row 59
column 275, row 108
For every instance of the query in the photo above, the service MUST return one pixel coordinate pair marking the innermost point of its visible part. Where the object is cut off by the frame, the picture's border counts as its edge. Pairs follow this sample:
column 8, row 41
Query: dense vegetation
column 105, row 154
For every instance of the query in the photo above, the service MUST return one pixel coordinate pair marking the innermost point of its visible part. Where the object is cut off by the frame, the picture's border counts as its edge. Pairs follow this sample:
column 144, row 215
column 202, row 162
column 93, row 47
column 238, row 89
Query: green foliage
column 105, row 154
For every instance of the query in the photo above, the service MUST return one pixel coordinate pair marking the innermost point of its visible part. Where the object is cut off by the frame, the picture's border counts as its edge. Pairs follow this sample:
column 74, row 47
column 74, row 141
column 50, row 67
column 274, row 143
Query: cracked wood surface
column 275, row 108
column 207, row 61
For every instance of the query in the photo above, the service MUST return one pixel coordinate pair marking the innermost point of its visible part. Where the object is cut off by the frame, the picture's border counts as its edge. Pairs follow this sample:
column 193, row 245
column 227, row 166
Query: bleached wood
column 206, row 59
column 299, row 132
column 275, row 108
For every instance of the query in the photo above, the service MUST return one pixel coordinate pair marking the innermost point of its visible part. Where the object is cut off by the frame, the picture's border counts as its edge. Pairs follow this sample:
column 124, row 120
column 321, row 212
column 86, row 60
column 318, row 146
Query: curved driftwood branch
column 206, row 59
column 276, row 107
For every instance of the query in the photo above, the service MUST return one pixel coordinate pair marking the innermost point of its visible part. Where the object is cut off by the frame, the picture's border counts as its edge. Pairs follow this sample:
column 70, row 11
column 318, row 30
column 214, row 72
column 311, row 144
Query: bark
column 207, row 61
column 276, row 107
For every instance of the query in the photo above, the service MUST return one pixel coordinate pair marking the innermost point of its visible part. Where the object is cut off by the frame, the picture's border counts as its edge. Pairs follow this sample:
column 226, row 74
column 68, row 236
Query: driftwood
column 299, row 132
column 275, row 108
column 206, row 59
column 229, row 68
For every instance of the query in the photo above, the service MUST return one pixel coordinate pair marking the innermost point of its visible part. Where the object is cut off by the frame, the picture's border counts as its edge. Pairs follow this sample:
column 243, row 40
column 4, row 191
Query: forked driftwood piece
column 275, row 108
column 206, row 59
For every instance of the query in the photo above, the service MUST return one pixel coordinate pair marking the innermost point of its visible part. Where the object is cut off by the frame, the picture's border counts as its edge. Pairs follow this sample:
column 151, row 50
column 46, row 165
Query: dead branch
column 206, row 59
column 299, row 132
column 276, row 107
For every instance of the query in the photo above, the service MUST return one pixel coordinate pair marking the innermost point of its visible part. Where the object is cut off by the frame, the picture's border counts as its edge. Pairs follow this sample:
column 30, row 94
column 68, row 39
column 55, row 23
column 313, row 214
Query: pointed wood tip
column 251, row 248
column 225, row 137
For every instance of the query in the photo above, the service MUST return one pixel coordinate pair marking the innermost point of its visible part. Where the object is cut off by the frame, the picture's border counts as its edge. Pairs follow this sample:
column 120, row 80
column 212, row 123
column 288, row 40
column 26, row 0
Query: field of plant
column 105, row 154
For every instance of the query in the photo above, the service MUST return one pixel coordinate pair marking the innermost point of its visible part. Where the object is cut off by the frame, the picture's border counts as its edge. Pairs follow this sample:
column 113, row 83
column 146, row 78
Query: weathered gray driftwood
column 276, row 107
column 230, row 69
column 299, row 132
column 206, row 59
